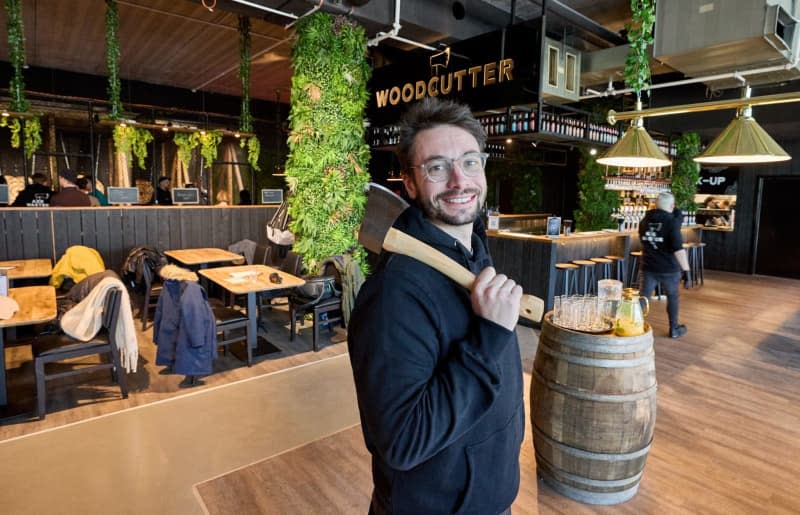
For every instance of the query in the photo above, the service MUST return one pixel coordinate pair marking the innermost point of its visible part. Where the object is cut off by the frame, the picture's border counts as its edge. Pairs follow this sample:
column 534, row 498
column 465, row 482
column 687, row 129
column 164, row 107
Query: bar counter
column 530, row 259
column 45, row 232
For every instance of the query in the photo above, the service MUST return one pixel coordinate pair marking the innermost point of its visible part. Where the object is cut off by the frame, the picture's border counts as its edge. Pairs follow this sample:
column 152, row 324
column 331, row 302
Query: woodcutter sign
column 491, row 71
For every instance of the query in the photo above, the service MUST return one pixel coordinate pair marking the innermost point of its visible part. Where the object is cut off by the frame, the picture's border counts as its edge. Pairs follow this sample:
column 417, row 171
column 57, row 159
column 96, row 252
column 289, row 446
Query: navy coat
column 184, row 329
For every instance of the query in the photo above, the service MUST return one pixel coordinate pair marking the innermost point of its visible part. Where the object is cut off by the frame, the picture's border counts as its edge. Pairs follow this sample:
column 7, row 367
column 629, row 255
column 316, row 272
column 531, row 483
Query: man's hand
column 495, row 297
column 686, row 278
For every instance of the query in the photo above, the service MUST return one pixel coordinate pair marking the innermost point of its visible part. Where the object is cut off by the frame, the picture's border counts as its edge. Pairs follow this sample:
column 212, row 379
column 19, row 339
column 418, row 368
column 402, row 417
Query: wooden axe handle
column 399, row 242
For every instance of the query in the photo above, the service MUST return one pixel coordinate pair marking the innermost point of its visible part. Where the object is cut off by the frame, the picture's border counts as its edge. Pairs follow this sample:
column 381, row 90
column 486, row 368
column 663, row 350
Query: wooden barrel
column 593, row 411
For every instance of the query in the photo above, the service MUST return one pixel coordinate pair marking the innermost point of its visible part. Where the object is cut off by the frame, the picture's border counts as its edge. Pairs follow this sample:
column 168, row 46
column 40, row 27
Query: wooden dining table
column 27, row 269
column 250, row 280
column 203, row 257
column 37, row 304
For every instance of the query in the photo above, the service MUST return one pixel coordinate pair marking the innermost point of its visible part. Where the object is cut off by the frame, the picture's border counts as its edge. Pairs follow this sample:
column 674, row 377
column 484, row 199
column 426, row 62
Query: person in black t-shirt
column 38, row 191
column 163, row 196
column 663, row 257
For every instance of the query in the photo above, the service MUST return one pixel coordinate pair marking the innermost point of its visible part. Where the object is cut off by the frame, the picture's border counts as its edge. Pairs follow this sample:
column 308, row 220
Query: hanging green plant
column 253, row 151
column 209, row 141
column 15, row 126
column 131, row 140
column 112, row 60
column 246, row 118
column 685, row 171
column 186, row 143
column 33, row 135
column 640, row 36
column 326, row 170
column 595, row 202
column 16, row 54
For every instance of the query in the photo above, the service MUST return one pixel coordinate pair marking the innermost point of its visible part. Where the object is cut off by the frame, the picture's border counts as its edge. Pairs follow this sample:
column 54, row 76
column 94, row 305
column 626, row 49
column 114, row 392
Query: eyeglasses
column 441, row 168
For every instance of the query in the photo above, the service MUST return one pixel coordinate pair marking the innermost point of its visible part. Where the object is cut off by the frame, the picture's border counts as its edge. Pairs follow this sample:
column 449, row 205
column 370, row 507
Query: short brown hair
column 433, row 112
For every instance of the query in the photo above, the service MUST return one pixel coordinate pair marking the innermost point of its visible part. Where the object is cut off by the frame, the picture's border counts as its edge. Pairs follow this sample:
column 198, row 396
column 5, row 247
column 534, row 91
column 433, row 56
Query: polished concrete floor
column 147, row 459
column 728, row 422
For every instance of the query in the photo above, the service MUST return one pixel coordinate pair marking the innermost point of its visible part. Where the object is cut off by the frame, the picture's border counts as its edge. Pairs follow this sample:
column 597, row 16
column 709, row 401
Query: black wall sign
column 484, row 72
column 3, row 193
column 118, row 195
column 719, row 181
column 271, row 196
column 185, row 196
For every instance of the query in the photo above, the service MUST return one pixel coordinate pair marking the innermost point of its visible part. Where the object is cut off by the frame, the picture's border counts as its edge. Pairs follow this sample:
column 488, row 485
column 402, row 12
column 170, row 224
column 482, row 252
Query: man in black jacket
column 663, row 256
column 437, row 369
column 36, row 193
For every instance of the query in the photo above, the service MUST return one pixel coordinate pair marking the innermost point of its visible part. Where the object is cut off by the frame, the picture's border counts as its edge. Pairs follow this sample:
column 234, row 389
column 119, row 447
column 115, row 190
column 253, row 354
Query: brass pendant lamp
column 635, row 149
column 743, row 141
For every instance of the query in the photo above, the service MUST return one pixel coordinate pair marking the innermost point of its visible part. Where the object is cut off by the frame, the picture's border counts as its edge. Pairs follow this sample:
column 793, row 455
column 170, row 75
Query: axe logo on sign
column 440, row 60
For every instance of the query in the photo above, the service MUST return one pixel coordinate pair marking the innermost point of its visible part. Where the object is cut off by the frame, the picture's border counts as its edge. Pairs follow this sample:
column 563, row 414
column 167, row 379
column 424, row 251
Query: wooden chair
column 53, row 348
column 152, row 290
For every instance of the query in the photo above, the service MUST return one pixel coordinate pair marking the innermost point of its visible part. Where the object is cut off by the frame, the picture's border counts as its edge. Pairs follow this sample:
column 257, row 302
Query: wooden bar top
column 36, row 304
column 27, row 268
column 250, row 278
column 560, row 239
column 202, row 256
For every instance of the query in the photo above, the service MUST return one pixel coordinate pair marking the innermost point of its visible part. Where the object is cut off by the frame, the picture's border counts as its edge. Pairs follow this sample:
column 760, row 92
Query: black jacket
column 439, row 389
column 660, row 234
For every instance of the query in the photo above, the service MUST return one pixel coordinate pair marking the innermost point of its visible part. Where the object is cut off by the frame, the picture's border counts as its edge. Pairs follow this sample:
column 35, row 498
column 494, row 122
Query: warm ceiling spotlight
column 6, row 114
column 508, row 140
column 165, row 128
column 593, row 152
column 237, row 135
column 202, row 133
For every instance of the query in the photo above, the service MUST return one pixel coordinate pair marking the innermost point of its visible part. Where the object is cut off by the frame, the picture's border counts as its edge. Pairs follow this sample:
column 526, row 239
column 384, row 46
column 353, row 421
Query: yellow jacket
column 77, row 263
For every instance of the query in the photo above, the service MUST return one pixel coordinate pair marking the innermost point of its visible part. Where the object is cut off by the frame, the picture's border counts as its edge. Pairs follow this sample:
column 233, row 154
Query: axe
column 383, row 208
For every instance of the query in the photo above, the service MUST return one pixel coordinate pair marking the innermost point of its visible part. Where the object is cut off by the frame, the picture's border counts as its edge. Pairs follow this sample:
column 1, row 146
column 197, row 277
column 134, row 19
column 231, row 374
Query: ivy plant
column 595, row 202
column 130, row 140
column 685, row 171
column 30, row 125
column 527, row 180
column 112, row 59
column 207, row 142
column 640, row 36
column 326, row 170
column 250, row 143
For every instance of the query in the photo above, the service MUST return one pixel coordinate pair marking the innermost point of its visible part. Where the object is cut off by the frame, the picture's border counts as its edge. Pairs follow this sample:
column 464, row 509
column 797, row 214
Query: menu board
column 271, row 196
column 117, row 195
column 185, row 196
column 3, row 193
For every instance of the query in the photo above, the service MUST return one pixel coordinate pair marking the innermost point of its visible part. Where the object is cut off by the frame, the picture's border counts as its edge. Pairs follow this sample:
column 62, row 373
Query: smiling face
column 453, row 204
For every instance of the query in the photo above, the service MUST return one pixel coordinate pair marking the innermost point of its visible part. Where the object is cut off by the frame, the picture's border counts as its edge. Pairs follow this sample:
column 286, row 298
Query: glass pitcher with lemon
column 630, row 317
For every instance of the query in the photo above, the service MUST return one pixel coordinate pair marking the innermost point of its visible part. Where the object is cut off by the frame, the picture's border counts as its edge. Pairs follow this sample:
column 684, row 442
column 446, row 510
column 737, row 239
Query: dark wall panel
column 27, row 232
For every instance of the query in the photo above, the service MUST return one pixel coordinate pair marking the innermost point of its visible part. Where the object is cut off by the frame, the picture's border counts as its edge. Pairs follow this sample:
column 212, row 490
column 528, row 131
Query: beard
column 434, row 211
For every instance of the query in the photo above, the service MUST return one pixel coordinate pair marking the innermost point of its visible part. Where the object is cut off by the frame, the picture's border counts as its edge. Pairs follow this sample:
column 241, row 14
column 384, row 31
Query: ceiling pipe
column 738, row 75
column 393, row 34
column 265, row 8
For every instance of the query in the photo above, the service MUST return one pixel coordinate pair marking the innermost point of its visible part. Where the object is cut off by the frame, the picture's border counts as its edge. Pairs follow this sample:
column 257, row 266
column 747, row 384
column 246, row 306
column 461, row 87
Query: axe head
column 383, row 208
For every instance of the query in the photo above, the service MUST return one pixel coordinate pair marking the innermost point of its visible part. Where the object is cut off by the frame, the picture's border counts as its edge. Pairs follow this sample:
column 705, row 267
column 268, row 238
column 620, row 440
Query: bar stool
column 633, row 274
column 620, row 267
column 569, row 279
column 604, row 271
column 587, row 273
column 701, row 246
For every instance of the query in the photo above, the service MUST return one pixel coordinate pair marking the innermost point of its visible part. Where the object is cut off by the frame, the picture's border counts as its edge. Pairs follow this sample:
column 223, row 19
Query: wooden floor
column 77, row 398
column 727, row 438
